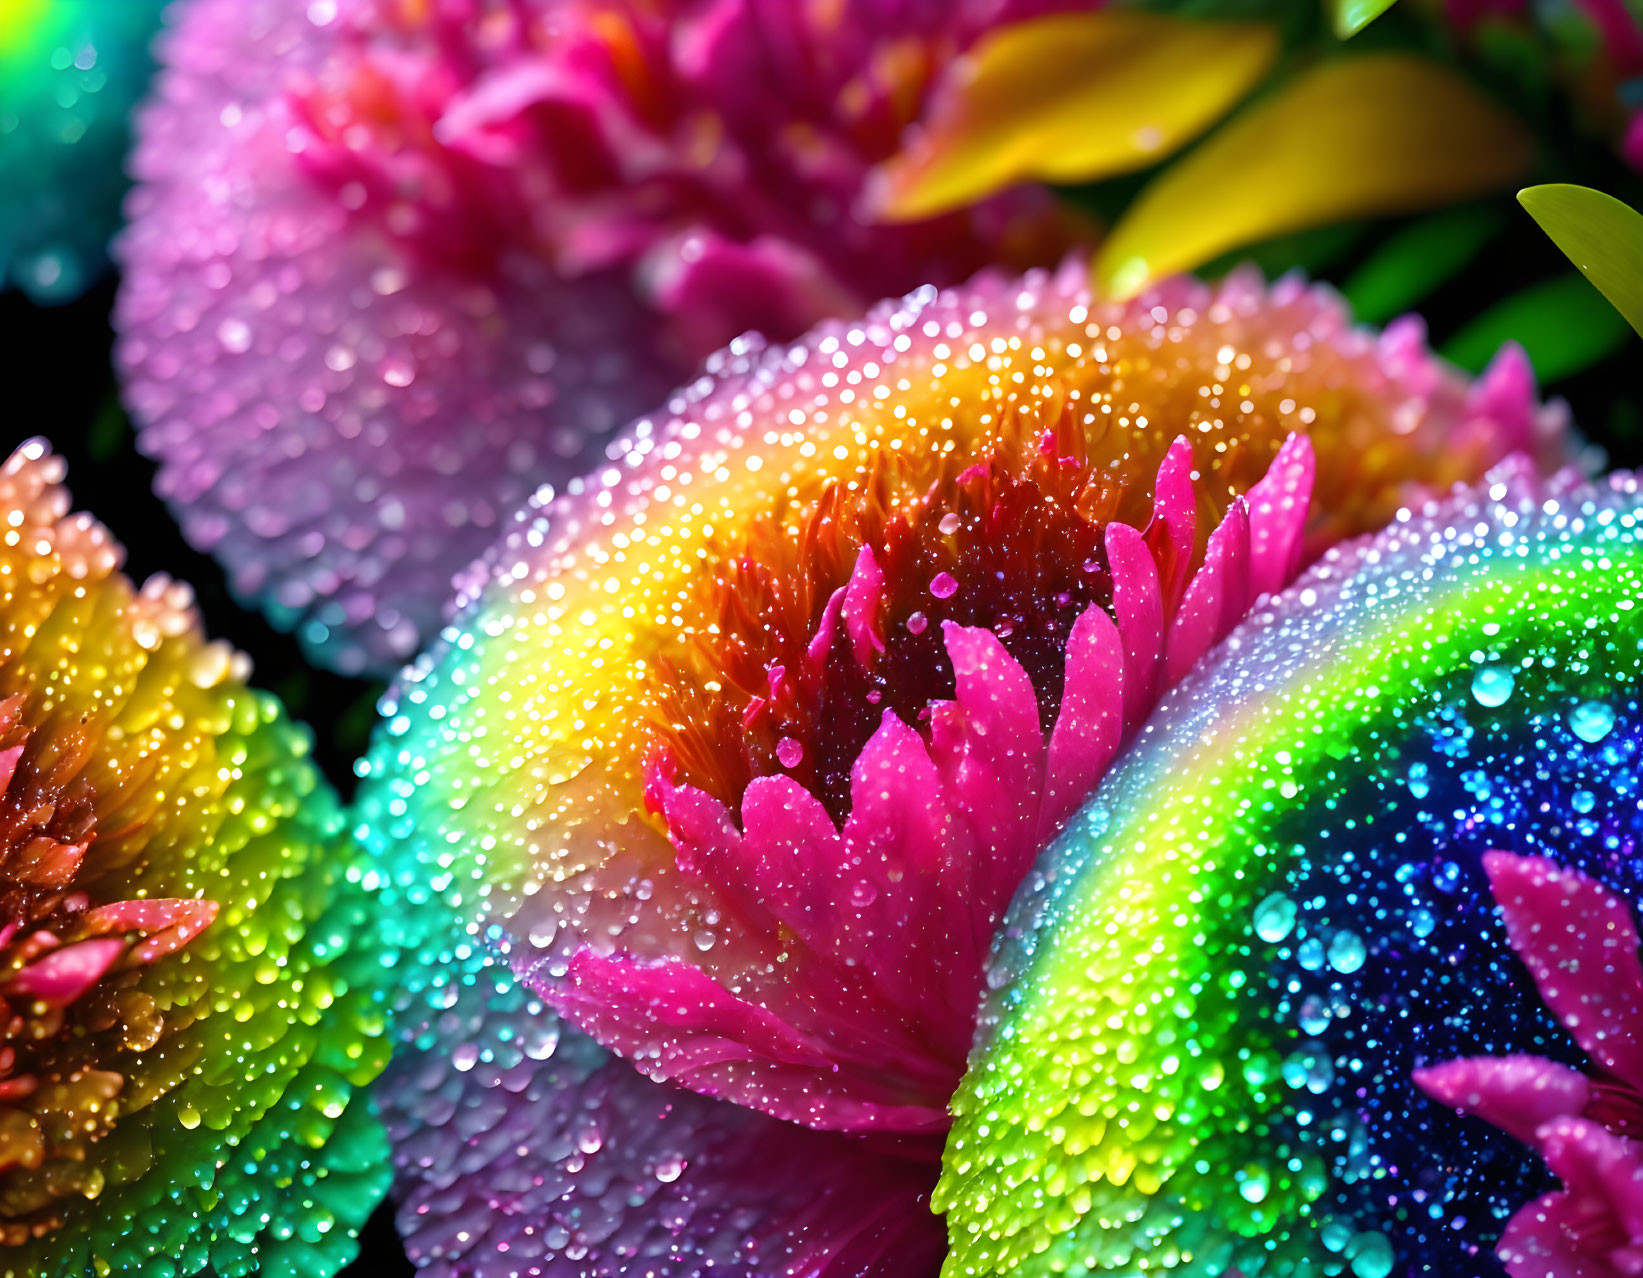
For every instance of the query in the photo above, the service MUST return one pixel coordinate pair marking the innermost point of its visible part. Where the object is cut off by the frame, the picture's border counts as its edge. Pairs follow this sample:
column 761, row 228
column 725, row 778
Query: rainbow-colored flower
column 737, row 750
column 1214, row 1000
column 395, row 264
column 189, row 975
column 70, row 72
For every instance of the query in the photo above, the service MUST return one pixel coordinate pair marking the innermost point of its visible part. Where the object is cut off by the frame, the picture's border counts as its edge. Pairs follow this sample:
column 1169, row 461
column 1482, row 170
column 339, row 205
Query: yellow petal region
column 1071, row 98
column 1378, row 134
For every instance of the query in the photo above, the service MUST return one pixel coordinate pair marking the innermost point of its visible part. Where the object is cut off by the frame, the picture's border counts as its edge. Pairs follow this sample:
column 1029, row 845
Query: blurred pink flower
column 394, row 264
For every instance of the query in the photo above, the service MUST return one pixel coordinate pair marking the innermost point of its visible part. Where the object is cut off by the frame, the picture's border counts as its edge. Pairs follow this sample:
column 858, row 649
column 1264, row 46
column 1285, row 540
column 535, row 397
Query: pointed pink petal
column 1217, row 598
column 989, row 748
column 1504, row 396
column 1578, row 942
column 1138, row 607
column 1278, row 507
column 1515, row 1093
column 1174, row 526
column 821, row 643
column 1090, row 723
column 793, row 857
column 679, row 1025
column 707, row 847
column 862, row 596
column 65, row 974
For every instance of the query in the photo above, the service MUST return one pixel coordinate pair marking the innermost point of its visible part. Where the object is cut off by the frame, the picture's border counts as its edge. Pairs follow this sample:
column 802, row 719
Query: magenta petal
column 1598, row 1167
column 1278, row 507
column 990, row 749
column 794, row 858
column 1174, row 526
column 1578, row 942
column 65, row 974
column 1516, row 1093
column 1217, row 598
column 1138, row 606
column 530, row 1150
column 1090, row 723
column 862, row 596
column 1536, row 1242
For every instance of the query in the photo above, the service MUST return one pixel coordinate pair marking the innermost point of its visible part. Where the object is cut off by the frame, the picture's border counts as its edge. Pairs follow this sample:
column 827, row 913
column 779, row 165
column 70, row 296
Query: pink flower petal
column 989, row 748
column 676, row 1023
column 863, row 594
column 1516, row 1093
column 1090, row 723
column 65, row 974
column 1217, row 598
column 1139, row 609
column 1278, row 507
column 1578, row 942
column 1174, row 527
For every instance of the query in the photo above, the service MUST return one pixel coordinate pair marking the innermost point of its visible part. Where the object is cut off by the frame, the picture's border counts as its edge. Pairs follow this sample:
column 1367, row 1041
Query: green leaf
column 1352, row 16
column 1600, row 235
column 1070, row 98
column 1563, row 325
column 1410, row 264
column 1355, row 137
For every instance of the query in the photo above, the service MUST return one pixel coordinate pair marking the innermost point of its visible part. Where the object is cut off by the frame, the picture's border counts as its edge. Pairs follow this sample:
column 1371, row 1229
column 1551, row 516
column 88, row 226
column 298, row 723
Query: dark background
column 55, row 364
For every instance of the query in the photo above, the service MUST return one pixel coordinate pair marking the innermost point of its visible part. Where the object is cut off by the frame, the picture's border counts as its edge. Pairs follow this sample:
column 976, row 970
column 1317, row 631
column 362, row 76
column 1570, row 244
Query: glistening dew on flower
column 188, row 973
column 70, row 72
column 1378, row 849
column 394, row 264
column 737, row 750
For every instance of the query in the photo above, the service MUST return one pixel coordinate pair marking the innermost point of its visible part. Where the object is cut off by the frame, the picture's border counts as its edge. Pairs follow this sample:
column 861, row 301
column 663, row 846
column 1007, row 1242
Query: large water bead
column 189, row 969
column 1211, row 995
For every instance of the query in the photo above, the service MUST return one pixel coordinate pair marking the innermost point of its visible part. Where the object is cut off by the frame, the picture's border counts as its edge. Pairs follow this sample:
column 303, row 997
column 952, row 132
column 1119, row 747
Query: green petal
column 1563, row 325
column 1602, row 236
column 1352, row 16
column 1382, row 133
column 1070, row 98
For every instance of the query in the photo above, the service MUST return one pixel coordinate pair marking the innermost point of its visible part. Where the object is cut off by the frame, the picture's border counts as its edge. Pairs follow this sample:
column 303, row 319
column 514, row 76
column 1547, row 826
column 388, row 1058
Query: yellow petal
column 1381, row 133
column 1600, row 235
column 1068, row 99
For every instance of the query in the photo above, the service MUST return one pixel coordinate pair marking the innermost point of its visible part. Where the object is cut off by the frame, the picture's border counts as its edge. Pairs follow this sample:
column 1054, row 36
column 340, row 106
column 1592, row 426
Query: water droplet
column 789, row 753
column 943, row 585
column 1253, row 1183
column 1591, row 721
column 1314, row 1015
column 1492, row 685
column 1420, row 784
column 949, row 523
column 1346, row 952
column 1274, row 918
column 1583, row 801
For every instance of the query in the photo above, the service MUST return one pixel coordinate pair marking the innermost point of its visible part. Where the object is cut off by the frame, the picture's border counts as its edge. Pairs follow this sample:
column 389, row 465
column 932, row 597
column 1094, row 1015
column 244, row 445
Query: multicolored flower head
column 738, row 749
column 70, row 72
column 396, row 263
column 188, row 988
column 1390, row 823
